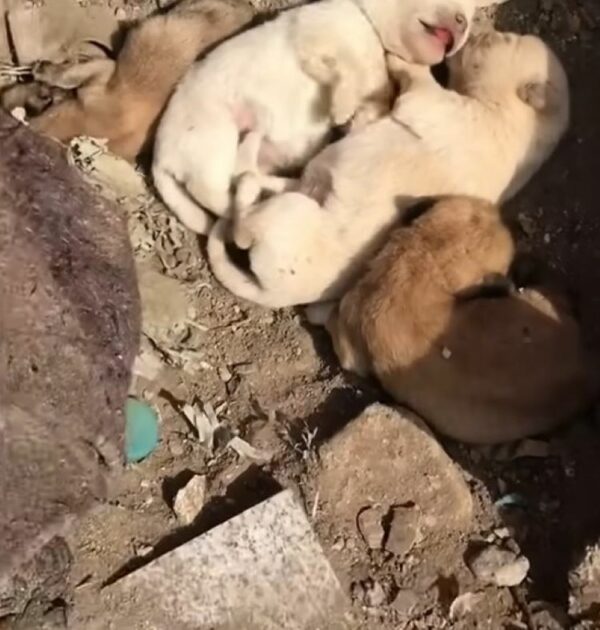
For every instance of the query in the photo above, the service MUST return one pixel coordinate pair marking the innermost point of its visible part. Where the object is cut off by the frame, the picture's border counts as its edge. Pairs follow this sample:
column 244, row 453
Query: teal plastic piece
column 141, row 430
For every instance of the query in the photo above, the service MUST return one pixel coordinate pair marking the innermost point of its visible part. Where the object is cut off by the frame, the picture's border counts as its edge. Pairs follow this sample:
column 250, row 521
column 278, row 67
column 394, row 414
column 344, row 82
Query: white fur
column 291, row 80
column 486, row 141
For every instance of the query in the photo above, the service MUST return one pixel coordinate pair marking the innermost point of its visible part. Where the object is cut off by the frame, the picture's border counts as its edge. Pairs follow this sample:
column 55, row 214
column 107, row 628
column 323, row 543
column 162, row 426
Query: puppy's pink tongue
column 444, row 35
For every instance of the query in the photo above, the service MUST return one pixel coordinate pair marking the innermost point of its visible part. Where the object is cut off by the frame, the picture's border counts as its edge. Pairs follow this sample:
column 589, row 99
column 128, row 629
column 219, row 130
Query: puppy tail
column 177, row 199
column 233, row 278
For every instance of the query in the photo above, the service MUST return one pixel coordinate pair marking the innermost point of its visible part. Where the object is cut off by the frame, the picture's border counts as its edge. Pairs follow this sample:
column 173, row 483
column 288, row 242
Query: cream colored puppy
column 486, row 139
column 283, row 85
column 480, row 368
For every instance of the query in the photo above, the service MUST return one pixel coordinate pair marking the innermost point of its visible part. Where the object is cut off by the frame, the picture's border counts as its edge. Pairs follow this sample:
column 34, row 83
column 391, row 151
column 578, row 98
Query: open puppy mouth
column 444, row 35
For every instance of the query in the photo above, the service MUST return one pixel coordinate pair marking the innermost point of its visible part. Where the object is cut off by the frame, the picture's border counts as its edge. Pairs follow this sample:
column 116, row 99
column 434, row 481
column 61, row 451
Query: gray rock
column 406, row 603
column 403, row 532
column 388, row 457
column 501, row 567
column 369, row 522
column 584, row 582
column 262, row 570
column 375, row 595
column 190, row 499
column 69, row 321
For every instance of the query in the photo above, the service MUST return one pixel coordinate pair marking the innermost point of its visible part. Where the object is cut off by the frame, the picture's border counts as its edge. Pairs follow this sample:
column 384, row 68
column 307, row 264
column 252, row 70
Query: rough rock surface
column 389, row 457
column 584, row 581
column 69, row 324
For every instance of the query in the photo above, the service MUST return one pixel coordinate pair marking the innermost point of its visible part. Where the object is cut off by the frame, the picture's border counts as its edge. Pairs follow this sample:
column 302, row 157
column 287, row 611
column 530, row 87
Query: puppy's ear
column 540, row 96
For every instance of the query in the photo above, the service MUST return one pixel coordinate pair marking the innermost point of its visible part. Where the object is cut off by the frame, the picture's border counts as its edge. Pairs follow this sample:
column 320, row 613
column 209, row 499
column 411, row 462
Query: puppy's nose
column 461, row 21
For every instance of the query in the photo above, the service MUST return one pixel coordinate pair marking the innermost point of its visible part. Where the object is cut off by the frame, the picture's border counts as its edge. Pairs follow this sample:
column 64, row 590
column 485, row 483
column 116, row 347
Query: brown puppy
column 479, row 369
column 122, row 100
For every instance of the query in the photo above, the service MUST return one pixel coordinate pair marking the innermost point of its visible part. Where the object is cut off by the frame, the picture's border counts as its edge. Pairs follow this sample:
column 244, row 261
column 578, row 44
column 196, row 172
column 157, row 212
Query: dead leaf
column 243, row 449
column 204, row 421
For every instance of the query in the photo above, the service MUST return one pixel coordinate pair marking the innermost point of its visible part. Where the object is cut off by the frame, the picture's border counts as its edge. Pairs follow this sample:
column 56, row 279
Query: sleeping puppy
column 479, row 369
column 121, row 99
column 283, row 86
column 486, row 139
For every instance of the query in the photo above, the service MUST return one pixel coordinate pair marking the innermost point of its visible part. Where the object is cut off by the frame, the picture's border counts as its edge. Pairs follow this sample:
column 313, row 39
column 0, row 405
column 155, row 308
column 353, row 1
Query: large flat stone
column 388, row 457
column 262, row 570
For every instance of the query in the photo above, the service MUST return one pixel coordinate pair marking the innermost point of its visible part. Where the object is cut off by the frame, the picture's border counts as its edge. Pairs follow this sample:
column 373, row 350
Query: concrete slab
column 262, row 570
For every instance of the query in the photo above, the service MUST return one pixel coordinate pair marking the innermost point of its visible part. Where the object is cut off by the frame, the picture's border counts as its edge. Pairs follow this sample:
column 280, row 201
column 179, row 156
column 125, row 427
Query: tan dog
column 270, row 97
column 487, row 140
column 122, row 100
column 479, row 369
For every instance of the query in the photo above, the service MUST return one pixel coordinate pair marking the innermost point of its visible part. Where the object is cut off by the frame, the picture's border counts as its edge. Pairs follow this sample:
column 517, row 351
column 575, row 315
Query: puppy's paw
column 247, row 191
column 241, row 236
column 318, row 314
column 344, row 103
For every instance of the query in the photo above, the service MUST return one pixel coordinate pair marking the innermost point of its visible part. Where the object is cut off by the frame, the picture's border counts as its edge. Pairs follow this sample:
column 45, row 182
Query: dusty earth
column 273, row 381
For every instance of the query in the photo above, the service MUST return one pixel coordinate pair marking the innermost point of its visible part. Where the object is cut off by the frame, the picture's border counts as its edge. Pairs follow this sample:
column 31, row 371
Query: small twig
column 315, row 507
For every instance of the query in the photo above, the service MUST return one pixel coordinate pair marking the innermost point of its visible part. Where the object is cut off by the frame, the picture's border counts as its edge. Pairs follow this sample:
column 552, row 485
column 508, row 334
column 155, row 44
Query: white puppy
column 285, row 84
column 486, row 140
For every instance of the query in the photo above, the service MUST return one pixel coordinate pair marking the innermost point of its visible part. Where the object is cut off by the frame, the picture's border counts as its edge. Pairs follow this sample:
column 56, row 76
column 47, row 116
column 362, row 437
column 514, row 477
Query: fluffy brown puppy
column 122, row 100
column 479, row 369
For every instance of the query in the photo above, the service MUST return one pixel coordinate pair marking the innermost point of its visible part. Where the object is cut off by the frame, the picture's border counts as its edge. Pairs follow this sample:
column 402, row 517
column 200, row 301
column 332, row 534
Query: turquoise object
column 141, row 430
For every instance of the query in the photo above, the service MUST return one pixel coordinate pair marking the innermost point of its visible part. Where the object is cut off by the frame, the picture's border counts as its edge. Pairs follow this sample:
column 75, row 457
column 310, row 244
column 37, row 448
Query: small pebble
column 501, row 567
column 371, row 527
column 176, row 448
column 547, row 616
column 405, row 602
column 190, row 499
column 403, row 530
column 503, row 532
column 464, row 604
column 224, row 374
column 143, row 550
column 375, row 596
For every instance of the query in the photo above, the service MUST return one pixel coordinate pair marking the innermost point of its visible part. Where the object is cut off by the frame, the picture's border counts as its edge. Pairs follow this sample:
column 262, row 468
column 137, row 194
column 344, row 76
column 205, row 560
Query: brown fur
column 122, row 100
column 482, row 369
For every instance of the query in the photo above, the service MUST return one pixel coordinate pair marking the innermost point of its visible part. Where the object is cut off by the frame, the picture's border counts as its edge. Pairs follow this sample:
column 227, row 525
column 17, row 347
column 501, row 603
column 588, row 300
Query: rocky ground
column 422, row 533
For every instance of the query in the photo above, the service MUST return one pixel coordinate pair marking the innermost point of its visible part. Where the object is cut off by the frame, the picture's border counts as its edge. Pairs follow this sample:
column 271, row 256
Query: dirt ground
column 273, row 381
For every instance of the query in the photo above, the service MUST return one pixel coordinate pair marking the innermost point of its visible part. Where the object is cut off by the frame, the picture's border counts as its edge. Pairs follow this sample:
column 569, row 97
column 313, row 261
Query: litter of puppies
column 325, row 167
